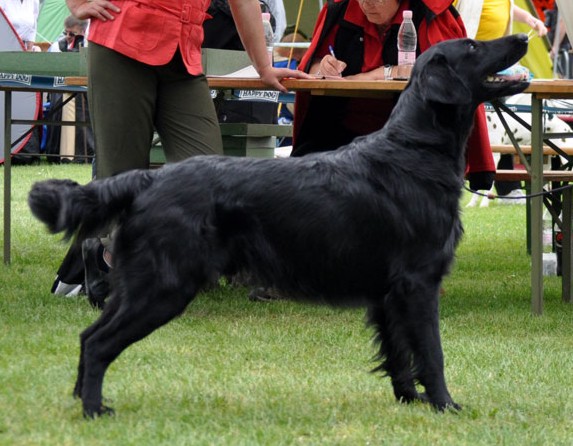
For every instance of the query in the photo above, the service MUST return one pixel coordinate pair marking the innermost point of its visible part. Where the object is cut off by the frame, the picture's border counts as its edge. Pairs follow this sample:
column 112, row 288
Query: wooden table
column 539, row 90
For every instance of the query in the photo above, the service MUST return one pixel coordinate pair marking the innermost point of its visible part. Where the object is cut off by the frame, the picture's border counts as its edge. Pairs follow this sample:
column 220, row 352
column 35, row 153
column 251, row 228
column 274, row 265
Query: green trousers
column 129, row 99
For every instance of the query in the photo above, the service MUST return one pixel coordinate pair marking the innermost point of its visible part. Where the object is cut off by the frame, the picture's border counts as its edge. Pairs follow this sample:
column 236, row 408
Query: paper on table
column 325, row 76
column 247, row 72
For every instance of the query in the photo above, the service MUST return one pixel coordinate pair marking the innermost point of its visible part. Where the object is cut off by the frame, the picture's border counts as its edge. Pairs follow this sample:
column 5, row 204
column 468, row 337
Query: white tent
column 24, row 105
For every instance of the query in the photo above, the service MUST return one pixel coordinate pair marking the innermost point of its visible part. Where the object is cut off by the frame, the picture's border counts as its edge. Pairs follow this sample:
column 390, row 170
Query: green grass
column 230, row 371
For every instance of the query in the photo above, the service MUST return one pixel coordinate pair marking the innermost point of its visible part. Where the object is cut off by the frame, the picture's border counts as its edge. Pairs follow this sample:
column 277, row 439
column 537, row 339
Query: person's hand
column 401, row 71
column 272, row 76
column 330, row 66
column 538, row 26
column 29, row 46
column 98, row 9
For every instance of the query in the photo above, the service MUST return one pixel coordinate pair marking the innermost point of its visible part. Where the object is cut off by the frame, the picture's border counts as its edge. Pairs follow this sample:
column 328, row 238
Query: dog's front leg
column 394, row 352
column 429, row 359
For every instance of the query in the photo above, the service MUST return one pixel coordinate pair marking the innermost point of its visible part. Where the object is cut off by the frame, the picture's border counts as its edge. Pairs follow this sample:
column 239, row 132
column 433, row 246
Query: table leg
column 7, row 172
column 536, row 208
column 566, row 248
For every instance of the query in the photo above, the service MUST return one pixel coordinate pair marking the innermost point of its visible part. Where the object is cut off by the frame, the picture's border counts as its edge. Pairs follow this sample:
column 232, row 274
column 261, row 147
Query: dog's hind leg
column 394, row 351
column 137, row 316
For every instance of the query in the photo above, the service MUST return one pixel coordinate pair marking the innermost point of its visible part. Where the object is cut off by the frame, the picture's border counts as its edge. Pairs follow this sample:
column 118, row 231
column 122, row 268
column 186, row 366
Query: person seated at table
column 363, row 38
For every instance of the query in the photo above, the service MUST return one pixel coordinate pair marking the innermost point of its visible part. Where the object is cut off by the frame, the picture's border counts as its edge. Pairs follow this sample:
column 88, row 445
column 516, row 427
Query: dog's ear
column 442, row 84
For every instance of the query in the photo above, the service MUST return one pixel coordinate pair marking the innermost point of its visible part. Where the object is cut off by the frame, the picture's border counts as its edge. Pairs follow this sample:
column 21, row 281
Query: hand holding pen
column 330, row 65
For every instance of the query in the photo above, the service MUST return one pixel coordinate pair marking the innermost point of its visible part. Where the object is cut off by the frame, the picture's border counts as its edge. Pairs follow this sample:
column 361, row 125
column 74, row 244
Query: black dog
column 373, row 224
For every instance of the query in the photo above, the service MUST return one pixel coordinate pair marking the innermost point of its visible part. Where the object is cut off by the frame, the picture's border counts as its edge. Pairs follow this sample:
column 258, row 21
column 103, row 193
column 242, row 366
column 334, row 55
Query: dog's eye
column 472, row 46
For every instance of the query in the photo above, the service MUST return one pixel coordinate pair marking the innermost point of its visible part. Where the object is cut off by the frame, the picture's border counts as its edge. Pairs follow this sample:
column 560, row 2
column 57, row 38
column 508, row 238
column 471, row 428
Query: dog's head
column 463, row 71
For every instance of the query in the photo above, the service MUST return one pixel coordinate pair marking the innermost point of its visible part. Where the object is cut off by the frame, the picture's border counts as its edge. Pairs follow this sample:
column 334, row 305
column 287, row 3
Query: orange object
column 151, row 35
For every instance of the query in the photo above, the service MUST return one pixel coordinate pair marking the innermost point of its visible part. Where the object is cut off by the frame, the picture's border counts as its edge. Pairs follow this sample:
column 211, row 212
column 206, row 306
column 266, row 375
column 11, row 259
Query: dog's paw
column 92, row 412
column 412, row 397
column 449, row 406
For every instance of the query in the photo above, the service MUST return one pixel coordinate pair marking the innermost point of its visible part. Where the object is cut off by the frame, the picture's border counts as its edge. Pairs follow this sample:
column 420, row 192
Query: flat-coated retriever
column 373, row 224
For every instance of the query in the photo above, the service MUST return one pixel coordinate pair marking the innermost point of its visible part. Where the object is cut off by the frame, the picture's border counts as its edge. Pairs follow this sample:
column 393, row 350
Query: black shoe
column 96, row 280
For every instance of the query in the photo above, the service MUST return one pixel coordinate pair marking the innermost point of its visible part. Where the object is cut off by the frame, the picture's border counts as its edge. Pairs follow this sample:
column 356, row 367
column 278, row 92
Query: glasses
column 70, row 33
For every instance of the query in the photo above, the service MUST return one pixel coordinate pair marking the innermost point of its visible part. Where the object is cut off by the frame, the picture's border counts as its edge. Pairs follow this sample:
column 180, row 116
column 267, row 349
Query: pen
column 331, row 51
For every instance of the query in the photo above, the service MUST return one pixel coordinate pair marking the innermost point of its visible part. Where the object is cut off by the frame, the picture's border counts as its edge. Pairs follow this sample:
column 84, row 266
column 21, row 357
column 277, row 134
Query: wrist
column 262, row 68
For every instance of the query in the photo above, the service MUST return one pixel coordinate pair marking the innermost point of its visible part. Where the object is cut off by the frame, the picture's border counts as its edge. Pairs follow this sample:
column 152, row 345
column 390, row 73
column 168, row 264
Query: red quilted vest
column 150, row 31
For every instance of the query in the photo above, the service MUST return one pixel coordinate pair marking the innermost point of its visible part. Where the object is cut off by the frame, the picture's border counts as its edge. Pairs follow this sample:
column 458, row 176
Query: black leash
column 493, row 196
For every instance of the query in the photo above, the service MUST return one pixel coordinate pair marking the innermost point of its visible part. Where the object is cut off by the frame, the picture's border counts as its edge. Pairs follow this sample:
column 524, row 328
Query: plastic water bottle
column 269, row 34
column 407, row 40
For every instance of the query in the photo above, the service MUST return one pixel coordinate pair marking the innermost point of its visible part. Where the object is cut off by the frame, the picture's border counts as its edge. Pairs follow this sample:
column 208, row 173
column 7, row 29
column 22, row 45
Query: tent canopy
column 51, row 20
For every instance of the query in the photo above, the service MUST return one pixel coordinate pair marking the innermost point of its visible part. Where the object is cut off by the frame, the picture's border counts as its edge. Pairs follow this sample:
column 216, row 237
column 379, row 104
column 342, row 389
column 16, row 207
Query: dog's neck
column 431, row 126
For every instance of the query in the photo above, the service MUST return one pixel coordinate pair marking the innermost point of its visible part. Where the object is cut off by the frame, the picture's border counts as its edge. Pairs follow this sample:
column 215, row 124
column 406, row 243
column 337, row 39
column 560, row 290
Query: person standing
column 68, row 141
column 154, row 48
column 560, row 43
column 145, row 73
column 488, row 20
column 492, row 19
column 23, row 15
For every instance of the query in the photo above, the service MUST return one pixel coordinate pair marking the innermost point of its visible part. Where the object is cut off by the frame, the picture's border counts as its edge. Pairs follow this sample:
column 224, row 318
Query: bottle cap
column 407, row 14
column 266, row 16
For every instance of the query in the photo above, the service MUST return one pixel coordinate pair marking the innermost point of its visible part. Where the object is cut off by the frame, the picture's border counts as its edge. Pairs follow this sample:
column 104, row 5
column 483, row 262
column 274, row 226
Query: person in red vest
column 145, row 73
column 363, row 38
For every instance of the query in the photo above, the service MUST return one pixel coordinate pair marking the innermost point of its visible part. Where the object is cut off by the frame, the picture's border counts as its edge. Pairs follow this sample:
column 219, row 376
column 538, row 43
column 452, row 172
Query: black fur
column 373, row 224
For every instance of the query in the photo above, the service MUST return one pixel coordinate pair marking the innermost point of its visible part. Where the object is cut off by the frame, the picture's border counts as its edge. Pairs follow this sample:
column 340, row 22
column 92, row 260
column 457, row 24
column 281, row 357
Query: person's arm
column 246, row 14
column 98, row 9
column 558, row 38
column 521, row 15
column 332, row 67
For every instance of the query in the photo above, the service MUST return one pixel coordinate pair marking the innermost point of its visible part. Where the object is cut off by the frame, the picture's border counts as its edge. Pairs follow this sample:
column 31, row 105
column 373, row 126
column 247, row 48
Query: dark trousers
column 129, row 99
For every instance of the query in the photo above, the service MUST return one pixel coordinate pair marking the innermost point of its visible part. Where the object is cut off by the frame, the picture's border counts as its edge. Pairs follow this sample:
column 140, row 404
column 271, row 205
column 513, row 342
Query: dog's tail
column 65, row 206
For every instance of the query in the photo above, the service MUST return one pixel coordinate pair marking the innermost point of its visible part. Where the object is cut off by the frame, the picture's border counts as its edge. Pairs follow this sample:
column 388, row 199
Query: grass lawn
column 234, row 372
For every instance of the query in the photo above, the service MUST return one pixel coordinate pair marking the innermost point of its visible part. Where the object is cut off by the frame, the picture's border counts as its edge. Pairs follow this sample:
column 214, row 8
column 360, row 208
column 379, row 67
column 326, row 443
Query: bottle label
column 406, row 57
